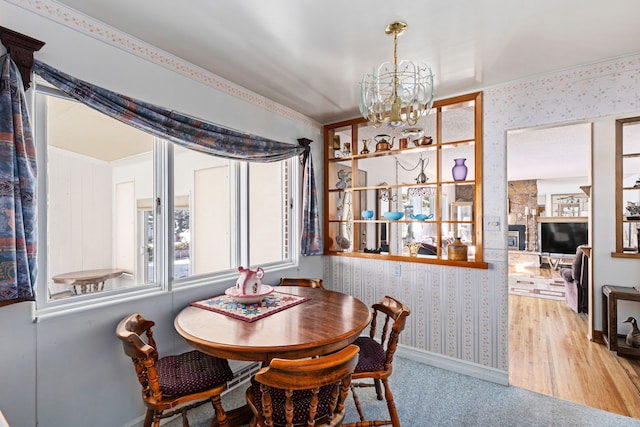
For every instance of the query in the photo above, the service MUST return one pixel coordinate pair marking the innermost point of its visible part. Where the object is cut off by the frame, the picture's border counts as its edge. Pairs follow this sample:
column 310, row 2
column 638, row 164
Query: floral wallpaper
column 463, row 313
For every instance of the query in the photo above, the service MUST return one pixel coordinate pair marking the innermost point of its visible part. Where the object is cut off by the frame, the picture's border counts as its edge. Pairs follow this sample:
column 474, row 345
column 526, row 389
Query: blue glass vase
column 459, row 170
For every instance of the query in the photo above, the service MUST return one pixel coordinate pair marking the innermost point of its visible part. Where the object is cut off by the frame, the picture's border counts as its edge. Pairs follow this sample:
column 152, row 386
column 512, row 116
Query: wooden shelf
column 366, row 181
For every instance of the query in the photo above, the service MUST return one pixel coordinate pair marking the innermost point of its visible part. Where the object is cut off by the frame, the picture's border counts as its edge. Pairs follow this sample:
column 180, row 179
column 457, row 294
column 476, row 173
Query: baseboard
column 454, row 365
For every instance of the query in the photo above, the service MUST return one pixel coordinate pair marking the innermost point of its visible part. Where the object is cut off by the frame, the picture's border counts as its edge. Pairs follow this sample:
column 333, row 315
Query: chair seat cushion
column 372, row 355
column 301, row 399
column 191, row 372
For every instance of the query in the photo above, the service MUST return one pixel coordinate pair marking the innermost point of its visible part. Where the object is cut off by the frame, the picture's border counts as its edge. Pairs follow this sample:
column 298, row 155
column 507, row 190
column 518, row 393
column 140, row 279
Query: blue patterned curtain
column 197, row 135
column 311, row 242
column 178, row 128
column 17, row 190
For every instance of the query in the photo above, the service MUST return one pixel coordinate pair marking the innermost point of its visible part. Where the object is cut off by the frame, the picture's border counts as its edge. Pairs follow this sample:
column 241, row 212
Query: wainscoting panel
column 455, row 312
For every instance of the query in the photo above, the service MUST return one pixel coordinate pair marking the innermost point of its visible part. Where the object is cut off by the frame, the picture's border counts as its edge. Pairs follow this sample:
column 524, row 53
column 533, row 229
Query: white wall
column 80, row 214
column 547, row 187
column 69, row 369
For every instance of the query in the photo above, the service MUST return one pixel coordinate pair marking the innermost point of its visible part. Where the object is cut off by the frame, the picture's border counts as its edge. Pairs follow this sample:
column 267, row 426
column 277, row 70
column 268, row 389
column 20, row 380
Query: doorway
column 548, row 177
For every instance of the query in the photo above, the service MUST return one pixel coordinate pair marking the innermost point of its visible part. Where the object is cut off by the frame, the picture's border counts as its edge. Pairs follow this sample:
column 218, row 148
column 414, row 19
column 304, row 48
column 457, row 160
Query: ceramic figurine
column 633, row 337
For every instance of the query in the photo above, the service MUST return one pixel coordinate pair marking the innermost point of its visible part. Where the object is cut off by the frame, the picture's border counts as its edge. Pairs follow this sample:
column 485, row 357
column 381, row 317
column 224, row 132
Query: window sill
column 77, row 305
column 625, row 255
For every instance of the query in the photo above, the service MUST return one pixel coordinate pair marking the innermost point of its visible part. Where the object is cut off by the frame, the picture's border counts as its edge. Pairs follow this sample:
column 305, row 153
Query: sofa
column 576, row 282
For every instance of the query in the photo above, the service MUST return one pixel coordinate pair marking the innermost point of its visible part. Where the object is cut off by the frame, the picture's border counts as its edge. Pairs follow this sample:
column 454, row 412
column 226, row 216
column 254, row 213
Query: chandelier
column 396, row 94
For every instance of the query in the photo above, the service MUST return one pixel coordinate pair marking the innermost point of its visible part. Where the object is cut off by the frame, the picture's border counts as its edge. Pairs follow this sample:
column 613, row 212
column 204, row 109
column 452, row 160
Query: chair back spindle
column 307, row 391
column 376, row 357
column 172, row 381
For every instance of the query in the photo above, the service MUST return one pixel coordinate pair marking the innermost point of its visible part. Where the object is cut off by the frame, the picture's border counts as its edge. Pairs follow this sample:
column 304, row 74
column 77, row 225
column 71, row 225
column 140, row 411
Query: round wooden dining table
column 327, row 322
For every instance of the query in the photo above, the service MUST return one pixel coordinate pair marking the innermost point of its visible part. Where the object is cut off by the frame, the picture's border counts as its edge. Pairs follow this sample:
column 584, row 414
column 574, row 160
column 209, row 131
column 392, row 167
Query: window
column 268, row 213
column 106, row 224
column 94, row 170
column 627, row 187
column 206, row 244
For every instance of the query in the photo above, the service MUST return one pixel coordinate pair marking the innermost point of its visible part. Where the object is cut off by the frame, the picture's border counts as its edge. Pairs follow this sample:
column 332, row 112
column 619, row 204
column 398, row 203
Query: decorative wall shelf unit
column 408, row 171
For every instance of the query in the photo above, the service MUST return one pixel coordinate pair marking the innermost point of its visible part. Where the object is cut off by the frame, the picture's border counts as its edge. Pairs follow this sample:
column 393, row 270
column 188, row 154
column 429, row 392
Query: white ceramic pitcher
column 250, row 281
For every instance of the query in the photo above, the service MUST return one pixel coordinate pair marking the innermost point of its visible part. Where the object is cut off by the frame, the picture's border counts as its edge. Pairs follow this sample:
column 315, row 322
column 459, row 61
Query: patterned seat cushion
column 301, row 399
column 191, row 372
column 372, row 355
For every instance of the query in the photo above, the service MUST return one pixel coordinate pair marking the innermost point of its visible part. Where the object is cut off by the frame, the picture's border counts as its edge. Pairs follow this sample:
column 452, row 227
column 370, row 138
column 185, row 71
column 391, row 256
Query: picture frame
column 513, row 241
column 519, row 231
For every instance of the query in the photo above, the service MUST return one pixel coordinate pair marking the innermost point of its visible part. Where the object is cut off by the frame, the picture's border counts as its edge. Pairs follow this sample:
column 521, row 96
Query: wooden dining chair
column 376, row 357
column 171, row 381
column 301, row 281
column 310, row 392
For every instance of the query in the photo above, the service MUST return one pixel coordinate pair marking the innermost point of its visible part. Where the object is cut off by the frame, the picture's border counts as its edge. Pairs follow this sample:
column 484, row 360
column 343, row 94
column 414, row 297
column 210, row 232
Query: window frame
column 621, row 216
column 163, row 194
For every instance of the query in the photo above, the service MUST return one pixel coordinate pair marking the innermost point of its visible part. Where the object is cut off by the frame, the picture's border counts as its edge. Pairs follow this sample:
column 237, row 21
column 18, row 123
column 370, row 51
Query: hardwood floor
column 549, row 353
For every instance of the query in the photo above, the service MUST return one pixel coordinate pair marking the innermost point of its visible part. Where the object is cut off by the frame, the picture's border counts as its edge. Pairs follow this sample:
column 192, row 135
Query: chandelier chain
column 395, row 64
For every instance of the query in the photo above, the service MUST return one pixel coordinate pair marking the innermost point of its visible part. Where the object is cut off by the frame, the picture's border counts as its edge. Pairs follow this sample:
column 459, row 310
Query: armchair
column 576, row 281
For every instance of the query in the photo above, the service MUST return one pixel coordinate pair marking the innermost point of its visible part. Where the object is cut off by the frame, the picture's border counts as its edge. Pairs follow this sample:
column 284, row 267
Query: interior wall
column 526, row 104
column 69, row 369
column 449, row 302
column 549, row 187
column 83, row 212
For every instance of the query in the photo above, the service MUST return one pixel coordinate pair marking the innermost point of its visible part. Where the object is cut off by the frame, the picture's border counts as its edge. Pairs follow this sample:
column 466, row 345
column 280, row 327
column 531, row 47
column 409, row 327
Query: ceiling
column 309, row 55
column 558, row 152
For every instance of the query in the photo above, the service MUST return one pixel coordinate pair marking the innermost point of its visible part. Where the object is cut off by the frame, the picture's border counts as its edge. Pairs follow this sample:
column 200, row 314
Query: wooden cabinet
column 610, row 297
column 387, row 189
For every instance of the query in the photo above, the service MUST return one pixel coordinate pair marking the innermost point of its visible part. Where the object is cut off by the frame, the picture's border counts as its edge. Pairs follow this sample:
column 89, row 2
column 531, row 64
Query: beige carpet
column 536, row 286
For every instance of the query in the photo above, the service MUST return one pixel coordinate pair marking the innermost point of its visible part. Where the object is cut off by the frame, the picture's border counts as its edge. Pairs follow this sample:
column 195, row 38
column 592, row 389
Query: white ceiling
column 549, row 153
column 309, row 55
column 69, row 123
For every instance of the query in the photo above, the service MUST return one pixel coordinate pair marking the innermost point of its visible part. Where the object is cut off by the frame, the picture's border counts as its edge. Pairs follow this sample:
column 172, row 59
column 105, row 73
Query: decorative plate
column 232, row 292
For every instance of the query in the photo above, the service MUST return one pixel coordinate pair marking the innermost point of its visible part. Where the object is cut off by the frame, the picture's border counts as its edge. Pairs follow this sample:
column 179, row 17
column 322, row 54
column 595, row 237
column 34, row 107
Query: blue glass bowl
column 393, row 216
column 367, row 214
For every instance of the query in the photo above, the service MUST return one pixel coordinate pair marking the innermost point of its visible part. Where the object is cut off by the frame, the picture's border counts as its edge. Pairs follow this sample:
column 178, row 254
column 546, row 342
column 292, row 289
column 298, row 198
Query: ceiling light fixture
column 396, row 94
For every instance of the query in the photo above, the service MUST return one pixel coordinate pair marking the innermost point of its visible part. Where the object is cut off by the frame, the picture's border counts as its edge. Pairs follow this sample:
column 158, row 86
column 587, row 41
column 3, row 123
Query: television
column 563, row 237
